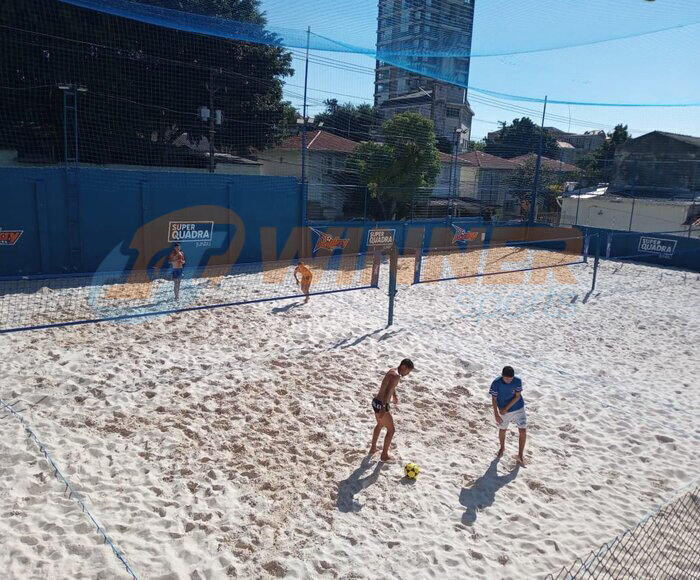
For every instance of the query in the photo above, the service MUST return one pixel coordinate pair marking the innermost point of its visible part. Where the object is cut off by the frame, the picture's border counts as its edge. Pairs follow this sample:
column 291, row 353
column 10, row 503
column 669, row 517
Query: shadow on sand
column 348, row 488
column 287, row 308
column 483, row 493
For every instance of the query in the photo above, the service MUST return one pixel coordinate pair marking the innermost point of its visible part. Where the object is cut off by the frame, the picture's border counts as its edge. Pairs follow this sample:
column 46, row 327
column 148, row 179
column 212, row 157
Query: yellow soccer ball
column 411, row 470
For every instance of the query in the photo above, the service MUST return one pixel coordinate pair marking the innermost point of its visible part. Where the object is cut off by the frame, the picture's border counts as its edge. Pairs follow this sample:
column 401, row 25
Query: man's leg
column 375, row 436
column 176, row 281
column 305, row 288
column 389, row 424
column 502, row 441
column 521, row 445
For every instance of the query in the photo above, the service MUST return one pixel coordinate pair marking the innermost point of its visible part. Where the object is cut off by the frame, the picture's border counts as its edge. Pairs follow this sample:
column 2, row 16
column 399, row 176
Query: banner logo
column 9, row 237
column 462, row 235
column 658, row 246
column 190, row 231
column 380, row 238
column 328, row 242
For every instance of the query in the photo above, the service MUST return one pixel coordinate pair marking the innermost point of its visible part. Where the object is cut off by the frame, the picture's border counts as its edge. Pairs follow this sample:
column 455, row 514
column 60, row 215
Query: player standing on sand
column 306, row 277
column 177, row 261
column 509, row 405
column 380, row 406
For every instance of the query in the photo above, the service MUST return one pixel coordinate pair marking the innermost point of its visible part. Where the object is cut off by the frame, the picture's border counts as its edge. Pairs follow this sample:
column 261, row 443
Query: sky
column 600, row 51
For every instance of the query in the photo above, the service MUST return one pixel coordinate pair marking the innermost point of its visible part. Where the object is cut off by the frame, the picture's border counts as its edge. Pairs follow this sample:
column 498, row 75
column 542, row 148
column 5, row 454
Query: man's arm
column 511, row 403
column 394, row 383
column 494, row 402
column 296, row 271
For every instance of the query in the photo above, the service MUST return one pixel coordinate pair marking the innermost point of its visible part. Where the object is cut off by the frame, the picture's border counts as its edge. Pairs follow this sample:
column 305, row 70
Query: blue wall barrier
column 90, row 220
column 104, row 220
column 663, row 249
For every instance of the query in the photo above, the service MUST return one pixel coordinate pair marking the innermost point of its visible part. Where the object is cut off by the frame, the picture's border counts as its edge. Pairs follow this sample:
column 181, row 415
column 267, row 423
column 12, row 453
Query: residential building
column 326, row 158
column 419, row 29
column 658, row 164
column 486, row 178
column 572, row 146
column 452, row 121
column 546, row 162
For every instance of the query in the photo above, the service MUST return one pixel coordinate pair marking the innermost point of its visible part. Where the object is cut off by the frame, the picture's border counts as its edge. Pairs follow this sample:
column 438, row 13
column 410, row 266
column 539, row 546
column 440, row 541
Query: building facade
column 419, row 28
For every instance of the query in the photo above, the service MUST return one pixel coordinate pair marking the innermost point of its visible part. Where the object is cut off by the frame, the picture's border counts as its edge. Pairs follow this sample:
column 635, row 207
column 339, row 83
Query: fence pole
column 364, row 213
column 417, row 265
column 393, row 270
column 595, row 262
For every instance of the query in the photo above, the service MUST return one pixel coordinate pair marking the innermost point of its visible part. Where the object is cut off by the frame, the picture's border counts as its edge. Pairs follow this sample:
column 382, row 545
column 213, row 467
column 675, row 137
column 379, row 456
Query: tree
column 444, row 145
column 354, row 122
column 521, row 138
column 394, row 170
column 477, row 145
column 597, row 165
column 145, row 83
column 550, row 185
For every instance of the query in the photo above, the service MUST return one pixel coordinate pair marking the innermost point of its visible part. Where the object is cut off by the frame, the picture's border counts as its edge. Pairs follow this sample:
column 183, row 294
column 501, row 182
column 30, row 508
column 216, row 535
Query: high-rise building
column 422, row 26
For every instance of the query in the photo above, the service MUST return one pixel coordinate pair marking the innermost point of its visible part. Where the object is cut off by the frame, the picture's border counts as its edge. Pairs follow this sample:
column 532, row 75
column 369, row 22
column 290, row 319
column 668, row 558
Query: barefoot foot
column 521, row 460
column 500, row 452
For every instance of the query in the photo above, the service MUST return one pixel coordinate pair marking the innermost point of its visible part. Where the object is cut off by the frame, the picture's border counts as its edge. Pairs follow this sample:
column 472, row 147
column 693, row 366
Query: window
column 453, row 112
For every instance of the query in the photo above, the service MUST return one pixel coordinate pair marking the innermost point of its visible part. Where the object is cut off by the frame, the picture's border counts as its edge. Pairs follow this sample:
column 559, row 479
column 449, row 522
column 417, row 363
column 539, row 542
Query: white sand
column 231, row 443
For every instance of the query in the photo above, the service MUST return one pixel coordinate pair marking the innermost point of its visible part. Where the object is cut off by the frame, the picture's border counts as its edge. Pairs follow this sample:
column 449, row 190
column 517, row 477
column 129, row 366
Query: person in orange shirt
column 306, row 277
column 177, row 261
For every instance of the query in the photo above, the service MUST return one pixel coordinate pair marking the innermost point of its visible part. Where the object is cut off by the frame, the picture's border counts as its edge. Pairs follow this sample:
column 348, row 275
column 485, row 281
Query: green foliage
column 551, row 184
column 393, row 171
column 145, row 83
column 520, row 138
column 598, row 164
column 353, row 122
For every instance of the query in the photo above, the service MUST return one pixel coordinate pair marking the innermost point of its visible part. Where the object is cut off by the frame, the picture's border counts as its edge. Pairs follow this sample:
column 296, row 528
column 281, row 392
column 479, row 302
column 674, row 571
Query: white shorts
column 519, row 417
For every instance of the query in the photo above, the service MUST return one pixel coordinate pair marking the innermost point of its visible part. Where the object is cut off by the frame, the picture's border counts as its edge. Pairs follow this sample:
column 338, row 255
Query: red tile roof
column 486, row 161
column 320, row 141
column 552, row 164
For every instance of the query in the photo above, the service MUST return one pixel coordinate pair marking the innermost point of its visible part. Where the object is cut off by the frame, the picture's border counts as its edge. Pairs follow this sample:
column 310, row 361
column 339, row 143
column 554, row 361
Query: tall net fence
column 398, row 114
column 663, row 546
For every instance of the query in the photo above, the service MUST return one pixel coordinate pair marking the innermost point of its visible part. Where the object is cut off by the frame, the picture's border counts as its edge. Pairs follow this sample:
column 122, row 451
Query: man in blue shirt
column 509, row 405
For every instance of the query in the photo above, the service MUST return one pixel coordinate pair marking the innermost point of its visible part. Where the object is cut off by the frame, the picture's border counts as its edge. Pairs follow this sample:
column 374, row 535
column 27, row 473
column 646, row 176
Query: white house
column 326, row 158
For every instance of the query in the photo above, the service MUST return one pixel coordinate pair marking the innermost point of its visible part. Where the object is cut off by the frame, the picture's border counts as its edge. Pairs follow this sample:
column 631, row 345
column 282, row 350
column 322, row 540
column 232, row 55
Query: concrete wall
column 614, row 213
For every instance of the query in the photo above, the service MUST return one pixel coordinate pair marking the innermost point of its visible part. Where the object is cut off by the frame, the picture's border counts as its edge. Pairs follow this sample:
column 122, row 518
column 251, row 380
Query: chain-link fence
column 663, row 546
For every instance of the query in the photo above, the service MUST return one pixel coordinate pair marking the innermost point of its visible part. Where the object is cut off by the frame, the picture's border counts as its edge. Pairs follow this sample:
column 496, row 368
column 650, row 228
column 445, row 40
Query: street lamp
column 70, row 104
column 453, row 171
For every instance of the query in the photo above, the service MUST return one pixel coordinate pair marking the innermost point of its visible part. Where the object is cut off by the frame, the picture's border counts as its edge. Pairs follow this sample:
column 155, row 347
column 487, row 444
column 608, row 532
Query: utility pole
column 535, row 184
column 304, row 192
column 211, row 121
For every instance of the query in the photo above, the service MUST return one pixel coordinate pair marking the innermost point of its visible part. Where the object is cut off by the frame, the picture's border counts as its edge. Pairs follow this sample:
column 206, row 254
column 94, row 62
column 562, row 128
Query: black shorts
column 378, row 406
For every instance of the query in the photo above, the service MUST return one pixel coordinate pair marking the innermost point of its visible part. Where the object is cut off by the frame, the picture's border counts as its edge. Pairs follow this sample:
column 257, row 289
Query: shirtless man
column 306, row 277
column 380, row 405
